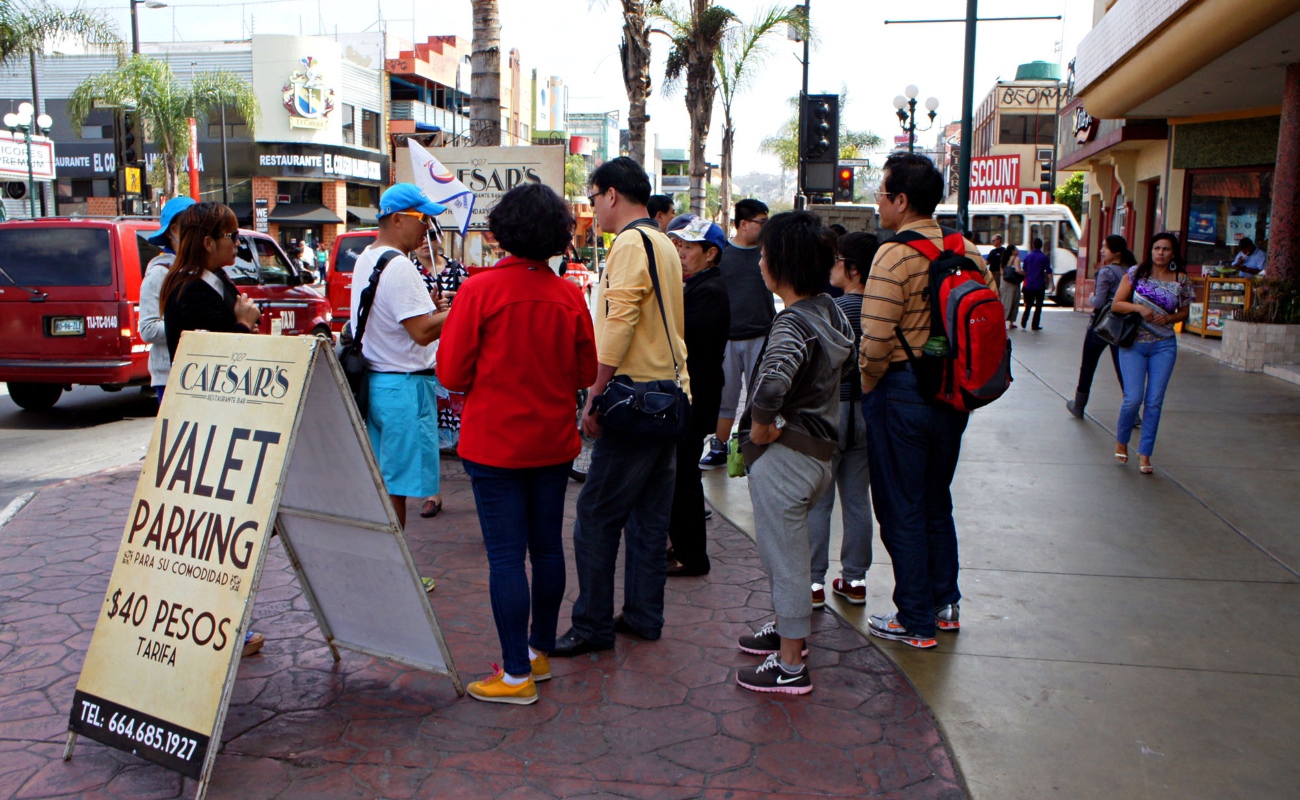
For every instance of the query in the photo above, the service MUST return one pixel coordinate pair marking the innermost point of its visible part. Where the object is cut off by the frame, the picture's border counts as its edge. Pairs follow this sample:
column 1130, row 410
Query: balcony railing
column 424, row 113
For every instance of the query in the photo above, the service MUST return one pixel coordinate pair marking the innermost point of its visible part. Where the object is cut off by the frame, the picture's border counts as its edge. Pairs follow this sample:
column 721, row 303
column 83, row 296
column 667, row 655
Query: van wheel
column 35, row 396
column 324, row 331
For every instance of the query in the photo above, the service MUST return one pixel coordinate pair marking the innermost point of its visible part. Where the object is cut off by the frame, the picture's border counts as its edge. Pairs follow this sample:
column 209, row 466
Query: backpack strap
column 654, row 280
column 368, row 294
column 953, row 241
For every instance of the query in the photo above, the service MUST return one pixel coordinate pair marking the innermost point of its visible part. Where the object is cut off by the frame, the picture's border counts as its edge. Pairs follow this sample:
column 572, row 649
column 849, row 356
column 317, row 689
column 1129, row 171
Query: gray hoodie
column 152, row 329
column 798, row 377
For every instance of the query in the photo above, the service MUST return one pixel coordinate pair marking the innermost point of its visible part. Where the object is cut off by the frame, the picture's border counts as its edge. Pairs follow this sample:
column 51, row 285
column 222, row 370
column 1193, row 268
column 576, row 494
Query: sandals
column 431, row 508
column 1146, row 468
column 1121, row 457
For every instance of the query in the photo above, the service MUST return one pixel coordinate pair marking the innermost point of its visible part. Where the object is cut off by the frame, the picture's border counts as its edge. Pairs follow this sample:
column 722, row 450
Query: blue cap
column 407, row 197
column 172, row 208
column 703, row 231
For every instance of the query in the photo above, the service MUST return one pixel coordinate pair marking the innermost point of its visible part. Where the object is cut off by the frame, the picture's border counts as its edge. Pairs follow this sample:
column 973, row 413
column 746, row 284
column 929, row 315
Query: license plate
column 68, row 326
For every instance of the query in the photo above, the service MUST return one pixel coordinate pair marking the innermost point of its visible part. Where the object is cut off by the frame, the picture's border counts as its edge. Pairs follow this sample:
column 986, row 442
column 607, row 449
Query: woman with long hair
column 1012, row 277
column 1113, row 260
column 197, row 294
column 1159, row 291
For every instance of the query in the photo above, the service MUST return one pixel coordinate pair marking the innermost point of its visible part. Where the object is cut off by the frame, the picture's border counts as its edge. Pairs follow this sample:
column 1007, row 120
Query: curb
column 14, row 507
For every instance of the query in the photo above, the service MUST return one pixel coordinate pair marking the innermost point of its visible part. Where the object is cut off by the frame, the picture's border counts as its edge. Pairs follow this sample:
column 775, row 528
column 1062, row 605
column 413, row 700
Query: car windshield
column 56, row 257
column 350, row 248
column 259, row 261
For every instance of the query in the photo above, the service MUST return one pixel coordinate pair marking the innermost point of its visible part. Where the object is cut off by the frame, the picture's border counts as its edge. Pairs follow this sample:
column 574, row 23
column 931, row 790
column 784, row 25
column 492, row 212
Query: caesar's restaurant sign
column 178, row 604
column 490, row 172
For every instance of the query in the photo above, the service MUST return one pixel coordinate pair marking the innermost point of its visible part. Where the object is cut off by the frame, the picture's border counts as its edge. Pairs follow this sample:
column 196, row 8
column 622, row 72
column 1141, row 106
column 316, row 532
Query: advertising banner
column 13, row 157
column 490, row 172
column 995, row 179
column 1203, row 223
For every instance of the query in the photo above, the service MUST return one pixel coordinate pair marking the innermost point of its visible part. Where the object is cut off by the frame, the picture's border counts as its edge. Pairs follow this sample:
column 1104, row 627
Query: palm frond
column 745, row 49
column 26, row 26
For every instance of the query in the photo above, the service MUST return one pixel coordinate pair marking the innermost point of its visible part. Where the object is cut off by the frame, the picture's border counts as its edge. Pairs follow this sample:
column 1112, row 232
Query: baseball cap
column 701, row 230
column 680, row 221
column 173, row 207
column 407, row 197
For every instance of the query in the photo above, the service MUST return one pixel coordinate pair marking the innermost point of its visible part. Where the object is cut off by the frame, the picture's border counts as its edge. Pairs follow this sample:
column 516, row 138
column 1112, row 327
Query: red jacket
column 519, row 343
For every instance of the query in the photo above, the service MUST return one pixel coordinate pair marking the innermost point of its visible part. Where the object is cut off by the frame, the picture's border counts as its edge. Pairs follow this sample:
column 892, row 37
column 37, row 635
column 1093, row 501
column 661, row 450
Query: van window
column 946, row 220
column 350, row 250
column 148, row 250
column 275, row 268
column 1016, row 231
column 62, row 257
column 985, row 226
column 1068, row 240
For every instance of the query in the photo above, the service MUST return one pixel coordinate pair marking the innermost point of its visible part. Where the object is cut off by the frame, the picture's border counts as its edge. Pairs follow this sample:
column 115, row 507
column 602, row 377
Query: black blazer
column 197, row 306
column 707, row 312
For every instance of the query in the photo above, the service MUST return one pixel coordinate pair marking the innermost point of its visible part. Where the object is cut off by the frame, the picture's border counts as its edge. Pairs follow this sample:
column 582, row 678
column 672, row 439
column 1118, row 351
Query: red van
column 342, row 261
column 70, row 302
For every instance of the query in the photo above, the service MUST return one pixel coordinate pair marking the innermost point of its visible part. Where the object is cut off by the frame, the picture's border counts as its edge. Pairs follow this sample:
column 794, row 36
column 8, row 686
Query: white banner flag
column 441, row 185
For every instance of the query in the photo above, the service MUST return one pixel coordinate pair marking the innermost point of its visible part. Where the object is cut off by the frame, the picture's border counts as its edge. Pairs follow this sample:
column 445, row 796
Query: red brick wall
column 334, row 196
column 101, row 206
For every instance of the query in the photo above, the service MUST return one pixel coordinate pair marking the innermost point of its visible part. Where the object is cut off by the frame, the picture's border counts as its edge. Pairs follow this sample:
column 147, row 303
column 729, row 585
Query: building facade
column 1186, row 117
column 1014, row 142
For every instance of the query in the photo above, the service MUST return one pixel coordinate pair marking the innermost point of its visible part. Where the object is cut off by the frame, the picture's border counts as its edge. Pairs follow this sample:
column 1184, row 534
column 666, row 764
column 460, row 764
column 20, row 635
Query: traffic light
column 130, row 152
column 1045, row 174
column 844, row 185
column 819, row 142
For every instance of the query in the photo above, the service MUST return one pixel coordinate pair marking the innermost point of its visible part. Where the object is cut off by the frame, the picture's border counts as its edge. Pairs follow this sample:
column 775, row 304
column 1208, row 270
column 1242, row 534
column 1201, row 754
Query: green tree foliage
column 575, row 176
column 712, row 201
column 26, row 25
column 1070, row 194
column 164, row 105
column 853, row 144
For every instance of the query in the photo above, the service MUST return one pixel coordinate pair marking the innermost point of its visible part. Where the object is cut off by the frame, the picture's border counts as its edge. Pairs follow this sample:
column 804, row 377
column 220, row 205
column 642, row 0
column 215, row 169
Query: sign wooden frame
column 322, row 519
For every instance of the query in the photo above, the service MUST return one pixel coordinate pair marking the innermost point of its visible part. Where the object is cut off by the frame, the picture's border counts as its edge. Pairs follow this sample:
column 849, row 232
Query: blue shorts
column 403, row 425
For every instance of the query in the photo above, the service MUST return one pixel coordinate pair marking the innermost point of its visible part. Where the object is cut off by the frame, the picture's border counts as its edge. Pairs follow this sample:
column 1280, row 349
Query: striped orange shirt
column 895, row 298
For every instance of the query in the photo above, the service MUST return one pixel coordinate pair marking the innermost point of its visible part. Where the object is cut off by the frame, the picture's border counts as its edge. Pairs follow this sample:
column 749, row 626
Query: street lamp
column 22, row 121
column 135, row 22
column 906, row 110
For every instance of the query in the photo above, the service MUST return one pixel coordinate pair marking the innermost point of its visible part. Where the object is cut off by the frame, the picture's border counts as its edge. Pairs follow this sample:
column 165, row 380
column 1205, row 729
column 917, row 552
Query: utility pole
column 800, row 201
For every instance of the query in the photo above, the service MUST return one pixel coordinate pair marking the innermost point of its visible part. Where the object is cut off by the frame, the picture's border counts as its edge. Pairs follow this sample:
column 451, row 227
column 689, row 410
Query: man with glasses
column 752, row 311
column 404, row 321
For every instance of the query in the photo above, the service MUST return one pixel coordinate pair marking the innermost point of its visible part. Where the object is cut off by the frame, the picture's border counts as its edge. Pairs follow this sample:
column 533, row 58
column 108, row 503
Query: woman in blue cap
column 152, row 329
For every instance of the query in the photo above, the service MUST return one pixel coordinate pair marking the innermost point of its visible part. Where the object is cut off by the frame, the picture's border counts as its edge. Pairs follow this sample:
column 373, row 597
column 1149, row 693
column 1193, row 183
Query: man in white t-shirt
column 402, row 328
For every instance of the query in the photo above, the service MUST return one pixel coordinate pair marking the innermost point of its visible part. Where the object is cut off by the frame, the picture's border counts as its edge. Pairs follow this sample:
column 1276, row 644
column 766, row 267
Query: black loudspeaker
column 15, row 190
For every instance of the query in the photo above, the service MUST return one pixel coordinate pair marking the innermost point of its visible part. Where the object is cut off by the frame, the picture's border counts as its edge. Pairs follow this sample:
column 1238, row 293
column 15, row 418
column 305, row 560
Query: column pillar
column 1284, row 233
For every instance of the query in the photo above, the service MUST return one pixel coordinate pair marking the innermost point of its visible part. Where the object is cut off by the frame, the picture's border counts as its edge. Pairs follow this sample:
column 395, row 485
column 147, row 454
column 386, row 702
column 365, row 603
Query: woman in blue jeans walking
column 1160, row 292
column 519, row 343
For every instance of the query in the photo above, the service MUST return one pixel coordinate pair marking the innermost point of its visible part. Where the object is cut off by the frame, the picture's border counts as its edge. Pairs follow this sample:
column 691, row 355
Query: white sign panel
column 298, row 82
column 13, row 157
column 490, row 172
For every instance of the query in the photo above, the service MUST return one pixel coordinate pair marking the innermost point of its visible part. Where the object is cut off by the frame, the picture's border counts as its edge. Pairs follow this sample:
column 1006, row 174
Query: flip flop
column 428, row 584
column 431, row 508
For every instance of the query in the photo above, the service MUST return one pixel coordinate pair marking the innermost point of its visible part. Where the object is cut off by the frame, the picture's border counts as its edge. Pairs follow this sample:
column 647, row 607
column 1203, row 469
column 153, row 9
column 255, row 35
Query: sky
column 577, row 40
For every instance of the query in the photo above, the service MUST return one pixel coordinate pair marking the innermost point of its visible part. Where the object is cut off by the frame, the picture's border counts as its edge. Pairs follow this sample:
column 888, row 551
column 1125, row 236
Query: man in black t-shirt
column 994, row 258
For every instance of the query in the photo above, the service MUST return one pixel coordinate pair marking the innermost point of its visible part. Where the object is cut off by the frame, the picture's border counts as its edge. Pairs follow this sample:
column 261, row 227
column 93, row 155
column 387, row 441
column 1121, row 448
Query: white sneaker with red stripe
column 887, row 626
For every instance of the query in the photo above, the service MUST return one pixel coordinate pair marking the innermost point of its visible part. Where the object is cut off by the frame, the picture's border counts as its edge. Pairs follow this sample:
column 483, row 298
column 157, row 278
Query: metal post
column 135, row 29
column 911, row 126
column 800, row 201
column 31, row 178
column 225, row 162
column 1056, row 143
column 967, row 132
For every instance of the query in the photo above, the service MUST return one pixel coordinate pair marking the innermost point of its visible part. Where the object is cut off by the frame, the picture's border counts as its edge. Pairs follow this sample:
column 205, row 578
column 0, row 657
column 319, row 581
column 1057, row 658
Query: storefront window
column 1222, row 209
column 349, row 124
column 300, row 192
column 362, row 196
column 1027, row 129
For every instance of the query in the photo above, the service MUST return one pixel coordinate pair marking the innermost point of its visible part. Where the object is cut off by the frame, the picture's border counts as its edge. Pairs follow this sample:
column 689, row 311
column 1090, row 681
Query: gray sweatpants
column 783, row 487
column 853, row 479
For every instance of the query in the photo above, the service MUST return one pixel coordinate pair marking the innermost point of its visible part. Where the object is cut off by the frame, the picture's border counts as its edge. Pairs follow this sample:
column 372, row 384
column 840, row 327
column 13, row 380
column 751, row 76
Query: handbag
column 1115, row 328
column 348, row 350
column 652, row 409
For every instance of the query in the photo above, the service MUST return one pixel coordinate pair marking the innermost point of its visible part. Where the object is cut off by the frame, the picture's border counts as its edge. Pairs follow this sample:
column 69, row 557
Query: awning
column 243, row 212
column 426, row 127
column 304, row 214
column 364, row 215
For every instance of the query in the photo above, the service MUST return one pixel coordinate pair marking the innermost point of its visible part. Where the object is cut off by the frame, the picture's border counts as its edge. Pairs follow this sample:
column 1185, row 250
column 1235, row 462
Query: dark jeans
column 912, row 448
column 1033, row 300
column 629, row 488
column 1093, row 347
column 686, row 527
column 522, row 511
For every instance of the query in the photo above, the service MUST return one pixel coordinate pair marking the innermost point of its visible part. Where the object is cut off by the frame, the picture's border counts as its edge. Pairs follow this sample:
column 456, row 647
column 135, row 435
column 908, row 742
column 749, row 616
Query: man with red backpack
column 924, row 365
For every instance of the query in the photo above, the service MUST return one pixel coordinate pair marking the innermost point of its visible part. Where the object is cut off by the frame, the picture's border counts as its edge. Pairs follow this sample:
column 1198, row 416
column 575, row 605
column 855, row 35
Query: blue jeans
column 1147, row 367
column 522, row 511
column 629, row 488
column 912, row 449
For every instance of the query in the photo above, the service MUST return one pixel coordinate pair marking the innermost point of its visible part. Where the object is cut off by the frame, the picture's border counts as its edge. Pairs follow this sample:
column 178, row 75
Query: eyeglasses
column 888, row 195
column 424, row 219
column 233, row 236
column 759, row 221
column 591, row 198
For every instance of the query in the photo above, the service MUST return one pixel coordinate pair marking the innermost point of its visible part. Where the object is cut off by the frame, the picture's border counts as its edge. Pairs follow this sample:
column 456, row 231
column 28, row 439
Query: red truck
column 70, row 302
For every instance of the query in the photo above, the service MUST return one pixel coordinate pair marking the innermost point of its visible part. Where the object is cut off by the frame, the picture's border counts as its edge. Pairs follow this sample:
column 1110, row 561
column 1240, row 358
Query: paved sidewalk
column 1123, row 635
column 649, row 720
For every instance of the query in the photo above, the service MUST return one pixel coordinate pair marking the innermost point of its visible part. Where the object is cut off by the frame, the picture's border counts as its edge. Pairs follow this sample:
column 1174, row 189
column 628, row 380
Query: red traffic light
column 846, row 174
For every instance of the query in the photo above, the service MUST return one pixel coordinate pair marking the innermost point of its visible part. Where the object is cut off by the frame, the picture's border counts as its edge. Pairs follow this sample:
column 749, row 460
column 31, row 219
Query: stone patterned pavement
column 647, row 720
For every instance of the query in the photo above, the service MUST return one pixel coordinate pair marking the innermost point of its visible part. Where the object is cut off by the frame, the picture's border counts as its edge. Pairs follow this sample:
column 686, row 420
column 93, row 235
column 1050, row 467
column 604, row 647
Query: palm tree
column 163, row 105
column 485, row 78
column 696, row 34
column 634, row 52
column 26, row 25
column 736, row 62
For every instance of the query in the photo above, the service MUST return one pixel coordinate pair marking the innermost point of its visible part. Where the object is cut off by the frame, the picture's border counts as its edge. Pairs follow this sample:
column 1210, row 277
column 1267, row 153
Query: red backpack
column 967, row 361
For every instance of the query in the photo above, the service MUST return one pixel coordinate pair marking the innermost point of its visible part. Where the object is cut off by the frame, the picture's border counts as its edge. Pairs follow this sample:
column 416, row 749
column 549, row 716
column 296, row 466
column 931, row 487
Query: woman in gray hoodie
column 789, row 434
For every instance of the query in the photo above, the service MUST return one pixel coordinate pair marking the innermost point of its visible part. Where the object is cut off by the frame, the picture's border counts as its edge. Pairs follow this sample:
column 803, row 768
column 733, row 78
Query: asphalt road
column 87, row 431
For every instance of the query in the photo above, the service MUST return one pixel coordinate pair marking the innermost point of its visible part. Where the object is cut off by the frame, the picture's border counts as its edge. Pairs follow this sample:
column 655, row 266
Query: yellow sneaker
column 496, row 690
column 541, row 668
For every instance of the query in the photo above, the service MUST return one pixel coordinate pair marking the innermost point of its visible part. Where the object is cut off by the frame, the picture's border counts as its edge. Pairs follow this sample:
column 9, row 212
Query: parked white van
column 1018, row 224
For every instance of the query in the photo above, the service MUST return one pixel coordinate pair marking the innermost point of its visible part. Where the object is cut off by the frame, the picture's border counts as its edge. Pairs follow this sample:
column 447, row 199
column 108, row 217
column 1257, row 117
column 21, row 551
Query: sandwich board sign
column 255, row 434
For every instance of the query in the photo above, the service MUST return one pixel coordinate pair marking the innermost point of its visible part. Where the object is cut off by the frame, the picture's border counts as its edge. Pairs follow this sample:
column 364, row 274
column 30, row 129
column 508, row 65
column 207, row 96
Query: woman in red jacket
column 519, row 343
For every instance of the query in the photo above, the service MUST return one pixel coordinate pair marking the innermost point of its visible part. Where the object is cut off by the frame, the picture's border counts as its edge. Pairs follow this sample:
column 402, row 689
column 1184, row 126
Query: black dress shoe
column 575, row 644
column 621, row 626
column 677, row 569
